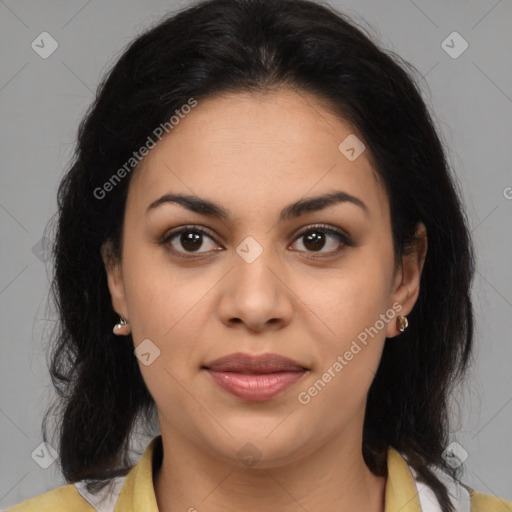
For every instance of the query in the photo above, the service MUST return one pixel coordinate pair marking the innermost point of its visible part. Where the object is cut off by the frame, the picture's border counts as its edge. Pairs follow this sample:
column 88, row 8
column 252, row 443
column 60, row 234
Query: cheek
column 351, row 300
column 348, row 354
column 163, row 307
column 170, row 307
column 159, row 295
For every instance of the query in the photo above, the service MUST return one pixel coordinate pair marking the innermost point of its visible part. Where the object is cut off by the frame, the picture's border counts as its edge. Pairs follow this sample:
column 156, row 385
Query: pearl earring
column 122, row 328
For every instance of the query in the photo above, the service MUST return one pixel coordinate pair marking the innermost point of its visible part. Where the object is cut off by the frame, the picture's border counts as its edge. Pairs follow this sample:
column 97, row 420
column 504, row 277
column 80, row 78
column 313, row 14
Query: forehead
column 258, row 149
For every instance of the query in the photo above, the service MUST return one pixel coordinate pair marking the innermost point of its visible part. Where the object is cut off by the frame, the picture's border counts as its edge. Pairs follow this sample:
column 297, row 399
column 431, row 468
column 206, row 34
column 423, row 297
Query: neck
column 335, row 477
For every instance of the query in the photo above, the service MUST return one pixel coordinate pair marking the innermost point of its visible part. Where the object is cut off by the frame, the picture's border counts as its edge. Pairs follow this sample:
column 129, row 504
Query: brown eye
column 316, row 238
column 189, row 239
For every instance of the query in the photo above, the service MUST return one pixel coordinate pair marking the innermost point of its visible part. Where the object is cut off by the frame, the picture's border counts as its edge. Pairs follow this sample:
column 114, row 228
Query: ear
column 406, row 284
column 114, row 278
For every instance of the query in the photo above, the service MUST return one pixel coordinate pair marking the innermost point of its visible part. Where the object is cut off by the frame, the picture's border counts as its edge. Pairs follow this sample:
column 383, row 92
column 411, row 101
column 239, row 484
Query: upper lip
column 245, row 363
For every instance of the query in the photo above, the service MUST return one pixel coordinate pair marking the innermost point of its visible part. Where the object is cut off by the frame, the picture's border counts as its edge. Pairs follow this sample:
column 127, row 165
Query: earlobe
column 407, row 279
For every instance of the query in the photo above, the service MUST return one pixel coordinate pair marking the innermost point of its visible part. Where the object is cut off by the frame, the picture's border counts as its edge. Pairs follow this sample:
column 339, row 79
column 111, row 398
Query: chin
column 262, row 446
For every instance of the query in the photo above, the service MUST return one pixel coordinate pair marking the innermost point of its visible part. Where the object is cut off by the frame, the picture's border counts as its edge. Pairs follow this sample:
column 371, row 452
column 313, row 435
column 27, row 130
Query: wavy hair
column 218, row 46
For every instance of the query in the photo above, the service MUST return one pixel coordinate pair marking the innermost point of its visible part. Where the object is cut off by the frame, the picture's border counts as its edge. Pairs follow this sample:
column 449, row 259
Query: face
column 317, row 284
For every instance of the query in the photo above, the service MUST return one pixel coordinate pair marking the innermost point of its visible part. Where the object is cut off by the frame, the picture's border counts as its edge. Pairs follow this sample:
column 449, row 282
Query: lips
column 255, row 378
column 244, row 363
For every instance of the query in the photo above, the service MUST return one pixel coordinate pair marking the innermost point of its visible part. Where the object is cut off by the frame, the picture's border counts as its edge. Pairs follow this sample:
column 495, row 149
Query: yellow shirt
column 135, row 492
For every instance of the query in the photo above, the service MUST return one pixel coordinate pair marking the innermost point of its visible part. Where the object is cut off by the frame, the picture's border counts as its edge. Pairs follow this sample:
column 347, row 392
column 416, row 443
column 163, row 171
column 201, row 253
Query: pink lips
column 255, row 378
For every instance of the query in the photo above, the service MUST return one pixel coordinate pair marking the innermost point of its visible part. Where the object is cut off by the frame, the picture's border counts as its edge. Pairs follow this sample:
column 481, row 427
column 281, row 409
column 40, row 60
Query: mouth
column 255, row 378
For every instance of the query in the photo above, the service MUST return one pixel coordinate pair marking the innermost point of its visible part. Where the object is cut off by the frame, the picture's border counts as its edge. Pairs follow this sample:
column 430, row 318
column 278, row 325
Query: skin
column 254, row 154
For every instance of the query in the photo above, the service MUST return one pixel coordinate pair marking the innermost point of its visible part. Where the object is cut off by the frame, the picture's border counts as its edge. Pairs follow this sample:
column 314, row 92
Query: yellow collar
column 401, row 492
column 138, row 491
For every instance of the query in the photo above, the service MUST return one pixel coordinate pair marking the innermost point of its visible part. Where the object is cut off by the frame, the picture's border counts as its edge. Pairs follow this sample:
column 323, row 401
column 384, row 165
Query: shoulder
column 481, row 502
column 61, row 499
column 463, row 497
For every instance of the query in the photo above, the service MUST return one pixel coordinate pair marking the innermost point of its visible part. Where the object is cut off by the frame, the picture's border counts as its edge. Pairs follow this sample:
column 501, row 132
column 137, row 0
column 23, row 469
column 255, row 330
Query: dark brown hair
column 258, row 45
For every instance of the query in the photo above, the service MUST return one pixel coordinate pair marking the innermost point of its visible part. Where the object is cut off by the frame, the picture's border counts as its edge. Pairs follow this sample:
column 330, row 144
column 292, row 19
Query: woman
column 261, row 252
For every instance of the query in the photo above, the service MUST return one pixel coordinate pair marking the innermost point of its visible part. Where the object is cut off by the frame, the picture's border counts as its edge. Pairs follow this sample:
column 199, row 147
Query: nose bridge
column 254, row 292
column 253, row 262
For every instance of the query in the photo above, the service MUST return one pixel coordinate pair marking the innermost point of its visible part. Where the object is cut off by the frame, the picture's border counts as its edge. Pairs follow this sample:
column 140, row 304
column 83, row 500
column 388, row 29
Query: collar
column 403, row 491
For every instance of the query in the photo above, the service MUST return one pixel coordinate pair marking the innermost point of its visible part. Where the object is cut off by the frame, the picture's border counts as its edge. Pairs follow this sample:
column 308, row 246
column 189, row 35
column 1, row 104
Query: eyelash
column 342, row 238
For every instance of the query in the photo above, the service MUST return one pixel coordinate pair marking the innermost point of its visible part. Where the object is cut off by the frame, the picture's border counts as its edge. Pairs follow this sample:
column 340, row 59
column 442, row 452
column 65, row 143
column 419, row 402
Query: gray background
column 42, row 101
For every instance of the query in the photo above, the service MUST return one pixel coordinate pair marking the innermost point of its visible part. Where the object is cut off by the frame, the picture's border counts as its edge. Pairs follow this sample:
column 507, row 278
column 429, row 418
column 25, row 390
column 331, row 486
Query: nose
column 256, row 295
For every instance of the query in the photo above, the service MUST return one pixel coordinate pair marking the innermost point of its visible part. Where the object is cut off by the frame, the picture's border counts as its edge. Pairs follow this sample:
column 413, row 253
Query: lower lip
column 256, row 387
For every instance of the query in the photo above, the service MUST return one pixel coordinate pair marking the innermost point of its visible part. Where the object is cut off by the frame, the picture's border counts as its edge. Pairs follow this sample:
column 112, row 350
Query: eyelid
column 344, row 237
column 327, row 228
column 188, row 227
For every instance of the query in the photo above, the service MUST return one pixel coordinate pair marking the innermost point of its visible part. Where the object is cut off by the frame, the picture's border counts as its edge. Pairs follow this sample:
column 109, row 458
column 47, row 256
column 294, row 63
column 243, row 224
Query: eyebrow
column 292, row 211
